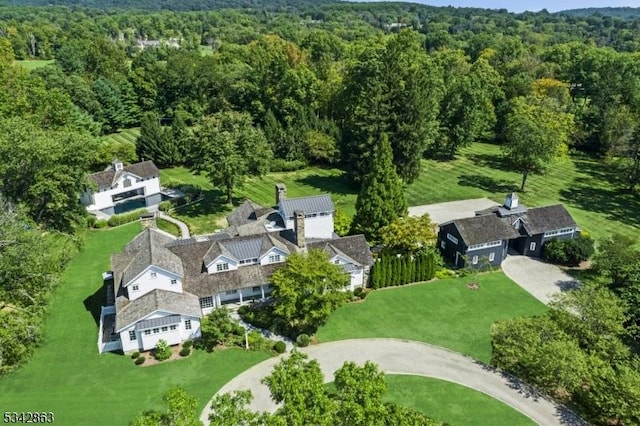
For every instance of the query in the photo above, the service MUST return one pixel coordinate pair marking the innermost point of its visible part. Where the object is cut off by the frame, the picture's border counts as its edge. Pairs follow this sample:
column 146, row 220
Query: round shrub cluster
column 302, row 340
column 140, row 360
column 185, row 351
column 280, row 347
column 135, row 355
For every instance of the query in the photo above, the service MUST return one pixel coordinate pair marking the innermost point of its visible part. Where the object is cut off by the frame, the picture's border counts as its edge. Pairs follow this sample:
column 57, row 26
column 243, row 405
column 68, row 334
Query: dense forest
column 280, row 85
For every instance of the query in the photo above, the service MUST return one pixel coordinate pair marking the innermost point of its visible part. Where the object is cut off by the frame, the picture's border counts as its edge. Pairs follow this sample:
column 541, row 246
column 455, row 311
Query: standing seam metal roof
column 309, row 205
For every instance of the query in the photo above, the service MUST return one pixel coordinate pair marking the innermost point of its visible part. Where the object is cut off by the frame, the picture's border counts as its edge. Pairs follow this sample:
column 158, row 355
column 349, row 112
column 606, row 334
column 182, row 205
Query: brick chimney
column 281, row 192
column 298, row 227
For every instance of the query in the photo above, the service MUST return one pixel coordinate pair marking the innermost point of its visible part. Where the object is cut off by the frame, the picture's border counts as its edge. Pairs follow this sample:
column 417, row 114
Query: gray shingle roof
column 244, row 213
column 129, row 312
column 106, row 178
column 490, row 227
column 309, row 205
column 550, row 218
column 354, row 246
column 149, row 248
column 243, row 247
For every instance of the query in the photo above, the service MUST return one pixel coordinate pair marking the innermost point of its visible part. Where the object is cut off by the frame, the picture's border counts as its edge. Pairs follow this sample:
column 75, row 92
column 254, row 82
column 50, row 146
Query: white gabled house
column 119, row 185
column 163, row 285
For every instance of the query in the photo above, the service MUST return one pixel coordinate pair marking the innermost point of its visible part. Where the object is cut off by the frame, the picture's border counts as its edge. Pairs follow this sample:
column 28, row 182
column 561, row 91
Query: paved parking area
column 444, row 212
column 542, row 280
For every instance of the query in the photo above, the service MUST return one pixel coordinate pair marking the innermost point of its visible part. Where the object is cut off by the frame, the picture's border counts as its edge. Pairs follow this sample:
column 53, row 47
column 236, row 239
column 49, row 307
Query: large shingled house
column 164, row 285
column 495, row 231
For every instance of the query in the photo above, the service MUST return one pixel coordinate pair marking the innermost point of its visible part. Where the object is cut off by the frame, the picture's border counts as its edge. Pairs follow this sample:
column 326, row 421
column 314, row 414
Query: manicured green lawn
column 451, row 403
column 581, row 183
column 124, row 135
column 442, row 312
column 167, row 226
column 34, row 64
column 67, row 375
column 208, row 214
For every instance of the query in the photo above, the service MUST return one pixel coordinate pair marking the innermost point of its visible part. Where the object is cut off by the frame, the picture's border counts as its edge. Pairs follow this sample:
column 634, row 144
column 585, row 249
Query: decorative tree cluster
column 390, row 270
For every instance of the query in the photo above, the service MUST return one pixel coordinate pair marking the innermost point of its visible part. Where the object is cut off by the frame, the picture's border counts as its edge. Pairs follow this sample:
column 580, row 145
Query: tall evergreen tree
column 381, row 198
column 155, row 142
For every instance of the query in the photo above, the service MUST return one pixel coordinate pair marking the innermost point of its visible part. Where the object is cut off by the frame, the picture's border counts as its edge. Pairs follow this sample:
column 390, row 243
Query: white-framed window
column 153, row 274
column 135, row 287
column 274, row 258
column 187, row 324
column 474, row 260
column 222, row 267
column 173, row 327
column 337, row 261
column 147, row 332
column 206, row 302
column 230, row 292
column 451, row 238
column 532, row 247
column 156, row 330
column 443, row 244
column 165, row 329
column 559, row 232
column 256, row 289
column 492, row 256
column 485, row 245
column 132, row 335
column 174, row 282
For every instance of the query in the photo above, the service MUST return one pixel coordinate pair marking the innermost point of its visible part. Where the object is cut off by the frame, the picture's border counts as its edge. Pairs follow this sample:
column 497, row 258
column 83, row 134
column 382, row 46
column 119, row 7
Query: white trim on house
column 563, row 231
column 496, row 243
column 451, row 238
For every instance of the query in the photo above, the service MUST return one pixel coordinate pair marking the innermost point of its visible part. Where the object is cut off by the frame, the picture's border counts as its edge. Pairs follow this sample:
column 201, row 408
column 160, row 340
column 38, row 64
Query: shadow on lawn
column 487, row 183
column 492, row 161
column 339, row 185
column 614, row 204
column 211, row 203
column 98, row 299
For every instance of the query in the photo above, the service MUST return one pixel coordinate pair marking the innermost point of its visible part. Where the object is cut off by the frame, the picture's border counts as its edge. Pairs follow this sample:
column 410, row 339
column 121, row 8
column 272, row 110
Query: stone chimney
column 281, row 192
column 298, row 227
column 511, row 202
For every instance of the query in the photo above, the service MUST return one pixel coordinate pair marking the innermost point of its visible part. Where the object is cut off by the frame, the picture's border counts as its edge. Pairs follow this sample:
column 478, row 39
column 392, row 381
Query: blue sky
column 532, row 5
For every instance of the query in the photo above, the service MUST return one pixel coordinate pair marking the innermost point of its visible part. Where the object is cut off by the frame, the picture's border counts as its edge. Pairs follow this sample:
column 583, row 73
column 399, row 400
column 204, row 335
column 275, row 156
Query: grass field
column 125, row 135
column 444, row 312
column 34, row 64
column 169, row 227
column 581, row 183
column 208, row 214
column 451, row 403
column 68, row 377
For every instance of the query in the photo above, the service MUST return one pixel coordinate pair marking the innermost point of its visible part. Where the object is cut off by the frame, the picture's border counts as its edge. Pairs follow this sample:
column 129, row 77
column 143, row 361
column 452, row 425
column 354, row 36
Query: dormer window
column 274, row 258
column 174, row 282
column 222, row 267
column 135, row 287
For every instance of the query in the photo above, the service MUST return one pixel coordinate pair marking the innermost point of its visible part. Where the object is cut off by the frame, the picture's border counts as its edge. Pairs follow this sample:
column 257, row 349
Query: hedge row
column 121, row 219
column 390, row 270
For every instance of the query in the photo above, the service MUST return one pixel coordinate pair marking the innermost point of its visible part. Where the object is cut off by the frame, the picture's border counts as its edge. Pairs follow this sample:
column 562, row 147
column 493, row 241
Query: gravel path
column 395, row 356
column 541, row 279
column 444, row 212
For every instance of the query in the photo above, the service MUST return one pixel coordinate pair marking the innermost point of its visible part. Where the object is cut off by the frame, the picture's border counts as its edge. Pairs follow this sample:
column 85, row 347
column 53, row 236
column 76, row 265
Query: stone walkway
column 184, row 230
column 395, row 356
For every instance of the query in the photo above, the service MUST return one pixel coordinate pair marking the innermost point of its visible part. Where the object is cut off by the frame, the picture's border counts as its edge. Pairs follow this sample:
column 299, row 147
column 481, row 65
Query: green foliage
column 537, row 131
column 409, row 234
column 219, row 329
column 390, row 270
column 280, row 165
column 187, row 344
column 381, row 199
column 280, row 347
column 185, row 351
column 307, row 290
column 302, row 340
column 135, row 354
column 229, row 149
column 100, row 223
column 140, row 360
column 569, row 252
column 181, row 410
column 162, row 351
column 121, row 219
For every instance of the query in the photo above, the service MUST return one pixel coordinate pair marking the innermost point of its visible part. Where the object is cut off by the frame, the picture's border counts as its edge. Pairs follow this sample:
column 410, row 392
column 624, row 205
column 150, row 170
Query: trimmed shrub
column 569, row 252
column 135, row 355
column 91, row 221
column 100, row 223
column 121, row 219
column 185, row 351
column 187, row 344
column 302, row 340
column 280, row 165
column 165, row 206
column 280, row 347
column 140, row 360
column 358, row 292
column 163, row 351
column 242, row 310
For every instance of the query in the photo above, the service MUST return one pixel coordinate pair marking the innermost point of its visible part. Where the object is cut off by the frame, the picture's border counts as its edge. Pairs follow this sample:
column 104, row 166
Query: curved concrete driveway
column 407, row 357
column 542, row 280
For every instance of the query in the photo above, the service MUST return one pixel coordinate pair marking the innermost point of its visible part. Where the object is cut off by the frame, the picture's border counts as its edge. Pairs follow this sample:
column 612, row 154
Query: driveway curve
column 543, row 280
column 395, row 356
